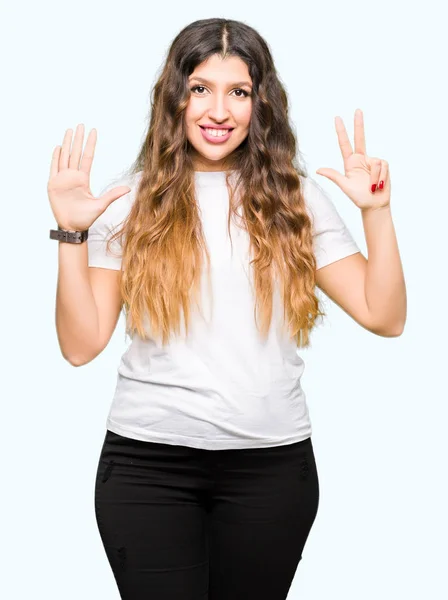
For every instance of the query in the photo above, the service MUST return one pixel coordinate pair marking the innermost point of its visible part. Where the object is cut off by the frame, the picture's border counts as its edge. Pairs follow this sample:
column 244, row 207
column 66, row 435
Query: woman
column 207, row 484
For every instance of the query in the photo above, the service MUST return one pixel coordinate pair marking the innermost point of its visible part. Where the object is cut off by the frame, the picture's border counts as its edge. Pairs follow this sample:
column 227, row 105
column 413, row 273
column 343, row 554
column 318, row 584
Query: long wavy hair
column 163, row 245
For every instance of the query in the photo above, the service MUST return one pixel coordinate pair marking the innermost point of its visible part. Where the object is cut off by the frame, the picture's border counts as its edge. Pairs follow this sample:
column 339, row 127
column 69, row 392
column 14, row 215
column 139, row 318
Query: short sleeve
column 332, row 239
column 107, row 224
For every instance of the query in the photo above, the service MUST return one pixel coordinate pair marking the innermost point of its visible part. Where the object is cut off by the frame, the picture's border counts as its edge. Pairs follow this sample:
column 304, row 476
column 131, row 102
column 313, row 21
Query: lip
column 212, row 139
column 211, row 126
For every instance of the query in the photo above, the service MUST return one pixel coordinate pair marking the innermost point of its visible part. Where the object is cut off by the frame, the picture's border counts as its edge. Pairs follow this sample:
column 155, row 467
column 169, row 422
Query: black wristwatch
column 73, row 237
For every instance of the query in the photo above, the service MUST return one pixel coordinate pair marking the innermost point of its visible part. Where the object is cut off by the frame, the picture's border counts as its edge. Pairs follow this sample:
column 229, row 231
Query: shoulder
column 332, row 238
column 319, row 204
column 316, row 197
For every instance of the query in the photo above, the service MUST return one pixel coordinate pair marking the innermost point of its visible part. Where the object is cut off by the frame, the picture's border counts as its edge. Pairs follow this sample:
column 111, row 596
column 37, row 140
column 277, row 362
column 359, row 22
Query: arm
column 87, row 305
column 372, row 291
column 385, row 287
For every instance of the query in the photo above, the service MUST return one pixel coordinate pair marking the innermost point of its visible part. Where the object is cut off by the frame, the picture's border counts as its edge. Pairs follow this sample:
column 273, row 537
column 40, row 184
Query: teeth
column 217, row 132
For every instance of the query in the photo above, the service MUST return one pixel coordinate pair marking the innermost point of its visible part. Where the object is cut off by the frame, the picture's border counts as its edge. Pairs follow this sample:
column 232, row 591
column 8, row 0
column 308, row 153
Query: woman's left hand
column 366, row 181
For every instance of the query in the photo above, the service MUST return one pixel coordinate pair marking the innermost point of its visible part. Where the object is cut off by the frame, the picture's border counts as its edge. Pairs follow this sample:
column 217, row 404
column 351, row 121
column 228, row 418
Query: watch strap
column 72, row 237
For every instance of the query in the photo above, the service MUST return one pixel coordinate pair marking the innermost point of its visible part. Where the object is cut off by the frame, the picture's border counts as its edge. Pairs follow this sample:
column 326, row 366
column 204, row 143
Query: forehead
column 227, row 70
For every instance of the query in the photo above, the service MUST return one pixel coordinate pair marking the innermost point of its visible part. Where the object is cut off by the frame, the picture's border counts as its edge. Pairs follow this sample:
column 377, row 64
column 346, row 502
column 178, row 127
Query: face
column 220, row 98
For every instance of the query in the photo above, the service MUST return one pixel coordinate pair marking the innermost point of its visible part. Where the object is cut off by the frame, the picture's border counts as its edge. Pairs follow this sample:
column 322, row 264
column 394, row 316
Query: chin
column 216, row 156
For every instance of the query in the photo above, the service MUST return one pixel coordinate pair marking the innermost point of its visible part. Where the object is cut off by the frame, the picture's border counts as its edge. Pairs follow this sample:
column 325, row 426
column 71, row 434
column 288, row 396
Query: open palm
column 366, row 180
column 74, row 206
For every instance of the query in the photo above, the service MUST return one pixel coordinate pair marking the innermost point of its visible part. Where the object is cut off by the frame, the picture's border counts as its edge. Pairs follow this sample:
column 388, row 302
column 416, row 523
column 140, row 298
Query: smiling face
column 218, row 114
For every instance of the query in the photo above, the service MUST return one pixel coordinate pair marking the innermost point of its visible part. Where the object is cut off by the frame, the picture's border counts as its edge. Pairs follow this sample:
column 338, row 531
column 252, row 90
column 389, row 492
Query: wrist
column 68, row 228
column 69, row 235
column 374, row 210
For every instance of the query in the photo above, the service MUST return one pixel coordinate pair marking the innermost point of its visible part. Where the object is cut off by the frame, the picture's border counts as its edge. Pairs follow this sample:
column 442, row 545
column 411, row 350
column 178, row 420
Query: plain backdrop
column 378, row 406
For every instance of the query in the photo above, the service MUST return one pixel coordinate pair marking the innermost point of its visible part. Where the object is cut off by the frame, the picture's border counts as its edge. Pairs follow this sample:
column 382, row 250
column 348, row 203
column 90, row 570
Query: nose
column 218, row 109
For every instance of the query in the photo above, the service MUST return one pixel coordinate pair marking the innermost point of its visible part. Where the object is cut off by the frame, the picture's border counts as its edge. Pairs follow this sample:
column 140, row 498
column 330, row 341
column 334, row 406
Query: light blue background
column 378, row 406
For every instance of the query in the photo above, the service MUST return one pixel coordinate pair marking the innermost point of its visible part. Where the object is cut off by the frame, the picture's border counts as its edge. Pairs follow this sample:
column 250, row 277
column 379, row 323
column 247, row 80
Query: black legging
column 181, row 523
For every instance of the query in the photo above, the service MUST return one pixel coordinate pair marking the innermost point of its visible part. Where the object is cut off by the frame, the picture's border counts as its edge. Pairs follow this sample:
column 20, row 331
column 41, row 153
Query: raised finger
column 65, row 151
column 360, row 138
column 89, row 152
column 75, row 155
column 54, row 166
column 344, row 142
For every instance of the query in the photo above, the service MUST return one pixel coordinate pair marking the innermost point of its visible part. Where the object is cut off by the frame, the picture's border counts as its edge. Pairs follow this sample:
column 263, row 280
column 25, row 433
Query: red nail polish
column 373, row 187
column 381, row 185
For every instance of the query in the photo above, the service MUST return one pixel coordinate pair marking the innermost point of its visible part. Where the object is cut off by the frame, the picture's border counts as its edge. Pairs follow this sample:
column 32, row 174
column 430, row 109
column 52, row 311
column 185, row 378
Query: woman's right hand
column 73, row 205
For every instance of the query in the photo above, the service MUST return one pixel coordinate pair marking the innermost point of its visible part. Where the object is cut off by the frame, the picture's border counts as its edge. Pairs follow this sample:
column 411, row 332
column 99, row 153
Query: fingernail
column 373, row 187
column 381, row 185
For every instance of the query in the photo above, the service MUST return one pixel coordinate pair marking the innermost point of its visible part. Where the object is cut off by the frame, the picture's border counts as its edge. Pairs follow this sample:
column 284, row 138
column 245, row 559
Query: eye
column 243, row 94
column 195, row 87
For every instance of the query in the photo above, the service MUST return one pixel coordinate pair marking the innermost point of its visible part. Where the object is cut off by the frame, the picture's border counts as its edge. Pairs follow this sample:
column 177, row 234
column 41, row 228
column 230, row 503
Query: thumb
column 332, row 175
column 113, row 195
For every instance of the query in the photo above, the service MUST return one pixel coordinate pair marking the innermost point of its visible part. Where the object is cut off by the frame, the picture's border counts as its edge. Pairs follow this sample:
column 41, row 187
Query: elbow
column 75, row 361
column 78, row 361
column 392, row 333
column 81, row 359
column 390, row 330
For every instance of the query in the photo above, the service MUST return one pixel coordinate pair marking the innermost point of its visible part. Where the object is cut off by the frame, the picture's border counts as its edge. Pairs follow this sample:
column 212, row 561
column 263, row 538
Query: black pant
column 181, row 523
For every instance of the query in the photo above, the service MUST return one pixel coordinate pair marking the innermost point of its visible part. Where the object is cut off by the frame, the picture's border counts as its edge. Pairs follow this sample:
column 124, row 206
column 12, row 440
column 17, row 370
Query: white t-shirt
column 223, row 387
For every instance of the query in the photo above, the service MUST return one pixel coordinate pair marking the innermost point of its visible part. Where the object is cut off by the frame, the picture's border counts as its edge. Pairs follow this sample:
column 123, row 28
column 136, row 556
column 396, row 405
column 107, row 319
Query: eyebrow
column 236, row 84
